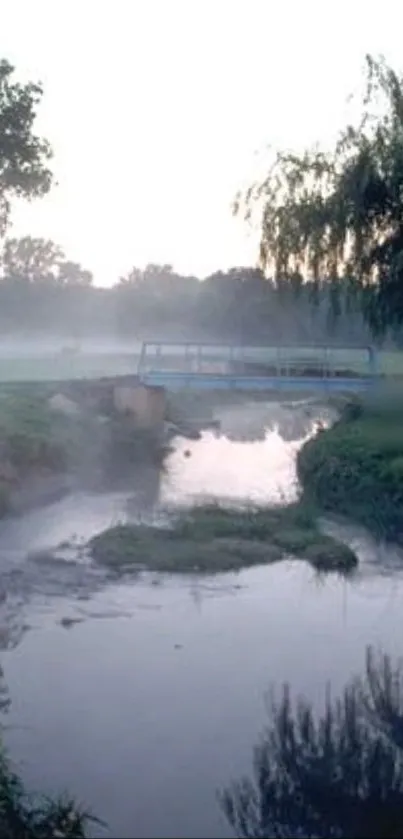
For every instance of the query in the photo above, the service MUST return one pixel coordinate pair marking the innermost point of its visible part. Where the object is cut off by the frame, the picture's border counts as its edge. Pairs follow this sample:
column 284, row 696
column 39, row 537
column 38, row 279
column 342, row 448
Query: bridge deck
column 214, row 366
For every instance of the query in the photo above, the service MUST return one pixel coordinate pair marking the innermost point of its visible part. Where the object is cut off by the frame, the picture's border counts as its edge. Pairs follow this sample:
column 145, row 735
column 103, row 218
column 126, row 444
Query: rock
column 63, row 405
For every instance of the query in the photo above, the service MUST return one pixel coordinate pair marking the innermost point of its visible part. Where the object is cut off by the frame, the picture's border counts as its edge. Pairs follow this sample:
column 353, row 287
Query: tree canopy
column 41, row 260
column 327, row 216
column 23, row 154
column 43, row 291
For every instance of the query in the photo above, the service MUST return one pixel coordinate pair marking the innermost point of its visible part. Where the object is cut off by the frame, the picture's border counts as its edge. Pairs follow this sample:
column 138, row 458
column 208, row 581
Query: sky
column 159, row 110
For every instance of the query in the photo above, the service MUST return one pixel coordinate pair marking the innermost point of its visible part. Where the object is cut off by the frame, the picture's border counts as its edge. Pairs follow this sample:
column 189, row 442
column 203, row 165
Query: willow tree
column 339, row 215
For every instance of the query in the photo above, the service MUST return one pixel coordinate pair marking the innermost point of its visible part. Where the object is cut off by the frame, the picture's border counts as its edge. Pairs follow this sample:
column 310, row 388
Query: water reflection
column 336, row 775
column 251, row 459
column 261, row 472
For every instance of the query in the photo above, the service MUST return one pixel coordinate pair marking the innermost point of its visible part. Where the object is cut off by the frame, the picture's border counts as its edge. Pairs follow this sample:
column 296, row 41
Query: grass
column 37, row 441
column 211, row 539
column 30, row 436
column 356, row 467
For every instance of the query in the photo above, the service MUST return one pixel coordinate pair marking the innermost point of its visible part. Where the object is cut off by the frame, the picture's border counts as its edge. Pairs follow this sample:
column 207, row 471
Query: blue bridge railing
column 207, row 366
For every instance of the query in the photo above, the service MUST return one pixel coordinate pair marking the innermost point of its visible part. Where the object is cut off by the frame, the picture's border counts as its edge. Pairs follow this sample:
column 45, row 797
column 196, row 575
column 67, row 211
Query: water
column 144, row 697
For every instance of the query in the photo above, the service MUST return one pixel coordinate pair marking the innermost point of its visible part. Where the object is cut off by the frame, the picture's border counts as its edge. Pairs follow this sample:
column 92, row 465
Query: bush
column 356, row 467
column 23, row 816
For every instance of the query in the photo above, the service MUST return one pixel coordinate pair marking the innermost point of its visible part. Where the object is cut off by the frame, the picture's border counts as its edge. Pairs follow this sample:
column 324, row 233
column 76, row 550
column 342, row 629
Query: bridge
column 196, row 366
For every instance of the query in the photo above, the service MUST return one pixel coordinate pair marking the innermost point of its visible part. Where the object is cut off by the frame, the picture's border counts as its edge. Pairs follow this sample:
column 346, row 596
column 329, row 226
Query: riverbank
column 355, row 468
column 51, row 445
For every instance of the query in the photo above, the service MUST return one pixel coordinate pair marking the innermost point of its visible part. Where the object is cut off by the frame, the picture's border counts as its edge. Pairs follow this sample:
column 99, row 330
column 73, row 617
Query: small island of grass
column 211, row 539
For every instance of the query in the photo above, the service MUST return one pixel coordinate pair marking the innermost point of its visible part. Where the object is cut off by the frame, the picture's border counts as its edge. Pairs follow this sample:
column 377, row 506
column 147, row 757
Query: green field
column 59, row 367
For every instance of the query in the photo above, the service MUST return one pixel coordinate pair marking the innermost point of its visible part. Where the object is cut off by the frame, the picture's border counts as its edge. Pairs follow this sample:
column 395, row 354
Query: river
column 143, row 696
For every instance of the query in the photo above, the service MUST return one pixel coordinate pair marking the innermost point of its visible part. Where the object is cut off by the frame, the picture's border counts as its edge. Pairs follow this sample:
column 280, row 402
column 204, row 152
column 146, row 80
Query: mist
column 49, row 303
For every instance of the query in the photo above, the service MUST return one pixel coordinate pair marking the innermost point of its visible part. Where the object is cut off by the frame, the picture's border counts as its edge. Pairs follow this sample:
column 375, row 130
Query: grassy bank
column 37, row 441
column 211, row 539
column 356, row 467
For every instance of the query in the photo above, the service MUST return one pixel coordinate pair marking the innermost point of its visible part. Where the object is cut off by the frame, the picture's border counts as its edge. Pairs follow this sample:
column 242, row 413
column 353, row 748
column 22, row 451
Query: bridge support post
column 144, row 403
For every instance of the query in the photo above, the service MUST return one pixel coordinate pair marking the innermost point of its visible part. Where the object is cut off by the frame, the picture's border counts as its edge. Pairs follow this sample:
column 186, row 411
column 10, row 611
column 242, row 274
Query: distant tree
column 39, row 260
column 133, row 278
column 23, row 154
column 72, row 274
column 31, row 259
column 328, row 216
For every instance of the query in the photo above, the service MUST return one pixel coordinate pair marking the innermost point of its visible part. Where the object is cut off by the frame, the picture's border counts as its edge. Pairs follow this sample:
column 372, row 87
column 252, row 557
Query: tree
column 340, row 215
column 73, row 274
column 23, row 154
column 41, row 260
column 337, row 776
column 31, row 259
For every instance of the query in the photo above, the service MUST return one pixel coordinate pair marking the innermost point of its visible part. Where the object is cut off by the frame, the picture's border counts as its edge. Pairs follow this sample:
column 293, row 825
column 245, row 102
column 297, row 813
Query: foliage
column 23, row 154
column 30, row 437
column 327, row 216
column 23, row 816
column 44, row 292
column 40, row 261
column 213, row 539
column 337, row 776
column 355, row 468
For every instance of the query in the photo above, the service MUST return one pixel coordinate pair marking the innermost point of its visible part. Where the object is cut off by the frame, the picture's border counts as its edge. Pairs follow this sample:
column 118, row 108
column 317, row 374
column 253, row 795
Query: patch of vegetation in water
column 212, row 539
column 23, row 816
column 355, row 468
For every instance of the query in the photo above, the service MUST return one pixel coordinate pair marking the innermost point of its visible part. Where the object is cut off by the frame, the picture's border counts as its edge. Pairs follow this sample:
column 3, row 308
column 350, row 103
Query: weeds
column 23, row 816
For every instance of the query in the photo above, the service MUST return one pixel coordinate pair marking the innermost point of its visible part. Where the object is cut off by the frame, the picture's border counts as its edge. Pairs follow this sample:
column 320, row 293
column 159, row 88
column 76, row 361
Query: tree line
column 44, row 293
column 331, row 248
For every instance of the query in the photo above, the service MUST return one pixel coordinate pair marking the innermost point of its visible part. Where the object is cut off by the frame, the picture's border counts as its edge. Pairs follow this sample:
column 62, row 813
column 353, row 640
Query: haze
column 155, row 110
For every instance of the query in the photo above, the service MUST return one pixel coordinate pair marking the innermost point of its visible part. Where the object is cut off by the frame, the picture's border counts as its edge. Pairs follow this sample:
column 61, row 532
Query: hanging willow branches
column 340, row 215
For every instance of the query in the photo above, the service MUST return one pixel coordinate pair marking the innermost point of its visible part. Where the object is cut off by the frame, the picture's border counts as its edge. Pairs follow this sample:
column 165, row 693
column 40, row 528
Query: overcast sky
column 155, row 109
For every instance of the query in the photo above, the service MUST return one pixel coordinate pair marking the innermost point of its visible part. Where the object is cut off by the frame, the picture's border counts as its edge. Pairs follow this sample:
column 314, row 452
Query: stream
column 143, row 696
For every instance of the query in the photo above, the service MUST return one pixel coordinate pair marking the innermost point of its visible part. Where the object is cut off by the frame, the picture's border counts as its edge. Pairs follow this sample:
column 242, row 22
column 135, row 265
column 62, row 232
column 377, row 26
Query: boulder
column 62, row 404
